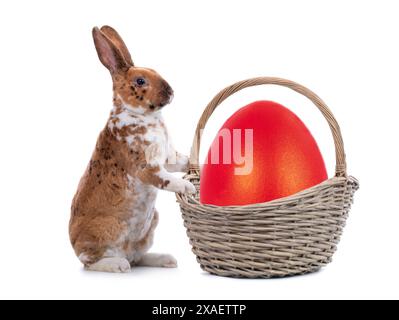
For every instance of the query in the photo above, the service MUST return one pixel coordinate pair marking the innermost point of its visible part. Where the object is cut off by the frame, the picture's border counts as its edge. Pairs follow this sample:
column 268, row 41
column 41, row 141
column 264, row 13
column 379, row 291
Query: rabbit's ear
column 110, row 56
column 119, row 43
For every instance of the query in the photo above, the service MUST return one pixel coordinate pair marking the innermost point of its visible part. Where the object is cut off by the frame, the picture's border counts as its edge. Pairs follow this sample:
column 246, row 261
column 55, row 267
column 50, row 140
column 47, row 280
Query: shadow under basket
column 284, row 237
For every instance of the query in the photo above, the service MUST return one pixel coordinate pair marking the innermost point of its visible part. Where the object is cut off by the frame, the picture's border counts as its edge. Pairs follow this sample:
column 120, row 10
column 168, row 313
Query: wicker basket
column 288, row 236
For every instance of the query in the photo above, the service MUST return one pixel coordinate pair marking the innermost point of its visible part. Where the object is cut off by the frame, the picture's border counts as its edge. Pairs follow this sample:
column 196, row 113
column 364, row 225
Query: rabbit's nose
column 167, row 88
column 171, row 96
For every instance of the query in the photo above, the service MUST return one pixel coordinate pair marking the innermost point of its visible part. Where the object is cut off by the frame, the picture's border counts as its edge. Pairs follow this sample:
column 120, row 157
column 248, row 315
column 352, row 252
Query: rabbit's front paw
column 188, row 187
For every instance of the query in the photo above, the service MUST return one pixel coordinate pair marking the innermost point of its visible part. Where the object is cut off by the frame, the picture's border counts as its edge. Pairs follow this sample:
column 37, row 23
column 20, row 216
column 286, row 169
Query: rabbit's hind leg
column 157, row 260
column 152, row 259
column 97, row 244
column 111, row 264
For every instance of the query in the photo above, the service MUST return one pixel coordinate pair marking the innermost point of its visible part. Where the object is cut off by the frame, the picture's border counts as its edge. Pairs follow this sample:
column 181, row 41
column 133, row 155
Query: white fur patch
column 84, row 258
column 130, row 180
column 129, row 139
column 156, row 133
column 114, row 252
column 144, row 203
column 176, row 184
column 124, row 119
column 112, row 264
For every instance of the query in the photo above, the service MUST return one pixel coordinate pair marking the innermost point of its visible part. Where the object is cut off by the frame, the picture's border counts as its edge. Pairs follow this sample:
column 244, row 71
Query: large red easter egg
column 262, row 152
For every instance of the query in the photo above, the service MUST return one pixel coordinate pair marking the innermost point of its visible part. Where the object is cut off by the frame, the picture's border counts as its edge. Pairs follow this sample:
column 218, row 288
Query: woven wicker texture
column 283, row 237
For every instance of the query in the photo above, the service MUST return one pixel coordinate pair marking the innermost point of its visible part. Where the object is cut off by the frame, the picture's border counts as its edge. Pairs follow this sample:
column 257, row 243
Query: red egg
column 262, row 152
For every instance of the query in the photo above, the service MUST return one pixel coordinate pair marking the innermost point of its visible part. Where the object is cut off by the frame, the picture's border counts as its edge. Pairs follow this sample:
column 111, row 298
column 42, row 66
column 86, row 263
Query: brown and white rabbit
column 113, row 215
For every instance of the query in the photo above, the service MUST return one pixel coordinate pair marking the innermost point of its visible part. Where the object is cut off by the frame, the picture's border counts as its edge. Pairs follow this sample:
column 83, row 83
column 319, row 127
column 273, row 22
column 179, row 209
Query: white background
column 55, row 98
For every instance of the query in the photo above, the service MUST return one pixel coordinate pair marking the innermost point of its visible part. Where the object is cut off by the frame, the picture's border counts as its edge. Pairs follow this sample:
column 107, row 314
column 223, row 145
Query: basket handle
column 340, row 168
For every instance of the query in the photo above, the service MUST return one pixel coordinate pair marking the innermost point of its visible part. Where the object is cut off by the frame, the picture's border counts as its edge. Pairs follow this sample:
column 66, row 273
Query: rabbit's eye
column 140, row 82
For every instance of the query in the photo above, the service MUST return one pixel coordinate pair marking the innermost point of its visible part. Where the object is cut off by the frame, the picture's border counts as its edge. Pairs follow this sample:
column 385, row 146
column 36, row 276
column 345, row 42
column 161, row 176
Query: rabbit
column 113, row 213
